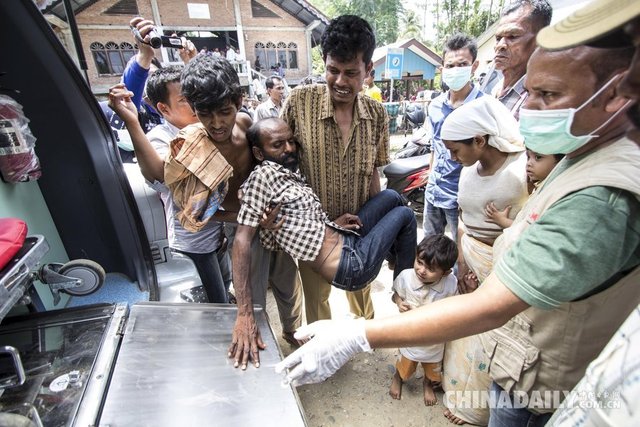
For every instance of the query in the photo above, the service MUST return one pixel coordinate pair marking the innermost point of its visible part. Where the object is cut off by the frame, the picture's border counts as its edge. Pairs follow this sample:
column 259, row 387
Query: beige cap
column 589, row 24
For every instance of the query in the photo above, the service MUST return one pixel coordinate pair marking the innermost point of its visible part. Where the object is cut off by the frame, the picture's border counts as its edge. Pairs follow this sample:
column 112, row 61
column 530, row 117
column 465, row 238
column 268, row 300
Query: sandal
column 288, row 337
column 232, row 298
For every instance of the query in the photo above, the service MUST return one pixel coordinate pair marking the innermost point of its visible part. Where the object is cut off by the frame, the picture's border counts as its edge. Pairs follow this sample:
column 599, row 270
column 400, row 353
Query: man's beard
column 289, row 161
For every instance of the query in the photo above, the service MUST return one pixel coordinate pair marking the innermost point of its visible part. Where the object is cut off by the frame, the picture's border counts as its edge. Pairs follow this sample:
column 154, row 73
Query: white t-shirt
column 201, row 242
column 506, row 187
column 416, row 294
column 258, row 87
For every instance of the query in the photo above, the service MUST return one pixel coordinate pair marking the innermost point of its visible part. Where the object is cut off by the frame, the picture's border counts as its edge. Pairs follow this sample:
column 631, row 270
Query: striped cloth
column 197, row 175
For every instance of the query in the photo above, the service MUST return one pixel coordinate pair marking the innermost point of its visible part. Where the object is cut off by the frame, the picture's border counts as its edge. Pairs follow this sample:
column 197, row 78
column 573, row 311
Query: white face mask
column 457, row 77
column 549, row 131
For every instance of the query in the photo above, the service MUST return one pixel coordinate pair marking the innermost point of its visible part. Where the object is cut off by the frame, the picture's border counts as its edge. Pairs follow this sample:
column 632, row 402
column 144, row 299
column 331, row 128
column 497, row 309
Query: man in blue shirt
column 441, row 195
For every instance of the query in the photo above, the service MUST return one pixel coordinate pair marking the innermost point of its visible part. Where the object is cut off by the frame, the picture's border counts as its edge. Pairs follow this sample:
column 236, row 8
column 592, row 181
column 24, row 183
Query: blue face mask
column 457, row 77
column 549, row 131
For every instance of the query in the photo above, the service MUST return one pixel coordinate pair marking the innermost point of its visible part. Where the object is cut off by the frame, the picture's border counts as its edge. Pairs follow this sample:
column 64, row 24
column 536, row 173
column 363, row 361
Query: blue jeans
column 212, row 268
column 511, row 416
column 435, row 220
column 386, row 223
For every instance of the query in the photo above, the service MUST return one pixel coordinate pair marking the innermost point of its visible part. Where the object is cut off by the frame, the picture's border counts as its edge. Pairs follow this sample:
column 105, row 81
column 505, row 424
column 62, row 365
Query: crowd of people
column 534, row 173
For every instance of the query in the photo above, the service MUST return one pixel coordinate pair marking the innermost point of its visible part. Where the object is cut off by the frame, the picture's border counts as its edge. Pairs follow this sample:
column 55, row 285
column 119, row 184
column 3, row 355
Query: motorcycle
column 417, row 144
column 413, row 117
column 408, row 174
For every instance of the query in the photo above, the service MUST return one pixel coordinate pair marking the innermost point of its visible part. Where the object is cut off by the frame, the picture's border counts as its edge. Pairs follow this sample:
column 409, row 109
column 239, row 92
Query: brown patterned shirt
column 340, row 175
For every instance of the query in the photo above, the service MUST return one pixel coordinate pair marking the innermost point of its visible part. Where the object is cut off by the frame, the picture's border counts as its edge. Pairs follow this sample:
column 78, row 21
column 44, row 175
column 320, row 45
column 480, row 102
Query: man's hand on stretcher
column 246, row 341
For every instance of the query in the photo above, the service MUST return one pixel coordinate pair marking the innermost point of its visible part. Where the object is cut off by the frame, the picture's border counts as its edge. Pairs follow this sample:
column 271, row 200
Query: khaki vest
column 549, row 350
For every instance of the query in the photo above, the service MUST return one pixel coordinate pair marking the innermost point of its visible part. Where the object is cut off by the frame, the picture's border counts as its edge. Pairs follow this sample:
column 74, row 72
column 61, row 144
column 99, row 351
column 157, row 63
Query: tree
column 381, row 14
column 410, row 25
column 318, row 63
column 468, row 16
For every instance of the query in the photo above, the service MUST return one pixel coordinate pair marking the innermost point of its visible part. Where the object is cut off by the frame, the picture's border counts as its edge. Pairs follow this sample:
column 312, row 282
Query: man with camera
column 144, row 62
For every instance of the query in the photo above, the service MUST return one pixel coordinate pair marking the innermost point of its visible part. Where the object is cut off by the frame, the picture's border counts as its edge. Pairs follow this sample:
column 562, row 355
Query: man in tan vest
column 569, row 271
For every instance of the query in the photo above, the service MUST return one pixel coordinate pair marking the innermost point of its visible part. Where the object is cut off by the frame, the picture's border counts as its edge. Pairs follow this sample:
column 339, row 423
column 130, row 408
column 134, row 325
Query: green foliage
column 391, row 22
column 318, row 63
column 466, row 16
column 381, row 14
column 410, row 26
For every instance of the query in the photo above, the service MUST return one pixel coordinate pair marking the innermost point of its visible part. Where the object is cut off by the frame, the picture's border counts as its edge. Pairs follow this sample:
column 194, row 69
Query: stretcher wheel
column 91, row 273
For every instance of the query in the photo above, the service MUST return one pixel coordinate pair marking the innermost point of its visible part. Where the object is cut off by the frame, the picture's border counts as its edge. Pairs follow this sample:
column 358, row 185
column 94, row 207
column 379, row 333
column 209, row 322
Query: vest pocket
column 513, row 359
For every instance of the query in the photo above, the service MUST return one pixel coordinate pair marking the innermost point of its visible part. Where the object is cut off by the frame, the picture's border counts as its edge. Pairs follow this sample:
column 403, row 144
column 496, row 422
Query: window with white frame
column 269, row 54
column 111, row 58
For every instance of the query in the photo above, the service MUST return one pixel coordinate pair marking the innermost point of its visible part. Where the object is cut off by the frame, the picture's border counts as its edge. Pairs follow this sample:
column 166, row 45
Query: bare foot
column 430, row 398
column 452, row 418
column 395, row 390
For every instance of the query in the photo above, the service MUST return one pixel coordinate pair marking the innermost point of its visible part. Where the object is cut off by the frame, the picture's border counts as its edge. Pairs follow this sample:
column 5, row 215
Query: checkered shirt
column 514, row 98
column 302, row 233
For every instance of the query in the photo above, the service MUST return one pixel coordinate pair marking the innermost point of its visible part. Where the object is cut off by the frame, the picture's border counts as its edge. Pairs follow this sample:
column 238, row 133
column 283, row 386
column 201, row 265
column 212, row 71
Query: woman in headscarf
column 483, row 136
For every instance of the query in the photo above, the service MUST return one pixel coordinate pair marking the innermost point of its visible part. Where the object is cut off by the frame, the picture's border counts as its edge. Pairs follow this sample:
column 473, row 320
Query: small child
column 429, row 280
column 539, row 166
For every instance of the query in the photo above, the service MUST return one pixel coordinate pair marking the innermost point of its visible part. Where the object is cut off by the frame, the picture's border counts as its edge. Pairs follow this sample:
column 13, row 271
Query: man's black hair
column 157, row 84
column 439, row 251
column 460, row 41
column 540, row 15
column 208, row 82
column 270, row 82
column 346, row 36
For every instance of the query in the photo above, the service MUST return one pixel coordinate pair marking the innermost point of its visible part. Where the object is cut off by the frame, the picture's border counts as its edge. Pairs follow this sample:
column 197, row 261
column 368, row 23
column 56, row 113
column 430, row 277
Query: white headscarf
column 484, row 116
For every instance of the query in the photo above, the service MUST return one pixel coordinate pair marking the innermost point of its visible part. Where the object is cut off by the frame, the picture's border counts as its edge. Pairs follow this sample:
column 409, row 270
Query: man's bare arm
column 374, row 186
column 246, row 341
column 491, row 306
column 145, row 51
column 150, row 163
column 243, row 121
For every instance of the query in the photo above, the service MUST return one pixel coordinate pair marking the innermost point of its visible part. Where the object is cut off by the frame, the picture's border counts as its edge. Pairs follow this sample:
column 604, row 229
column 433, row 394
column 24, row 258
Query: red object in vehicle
column 13, row 231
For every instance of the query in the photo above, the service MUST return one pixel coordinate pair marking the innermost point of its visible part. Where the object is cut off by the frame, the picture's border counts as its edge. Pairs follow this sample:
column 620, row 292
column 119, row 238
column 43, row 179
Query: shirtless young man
column 208, row 84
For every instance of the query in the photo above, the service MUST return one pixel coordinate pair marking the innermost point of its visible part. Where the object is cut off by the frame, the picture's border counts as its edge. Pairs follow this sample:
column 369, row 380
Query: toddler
column 429, row 280
column 539, row 166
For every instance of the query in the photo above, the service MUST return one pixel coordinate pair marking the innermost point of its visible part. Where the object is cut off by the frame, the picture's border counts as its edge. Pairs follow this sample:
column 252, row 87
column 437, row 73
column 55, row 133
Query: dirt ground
column 358, row 394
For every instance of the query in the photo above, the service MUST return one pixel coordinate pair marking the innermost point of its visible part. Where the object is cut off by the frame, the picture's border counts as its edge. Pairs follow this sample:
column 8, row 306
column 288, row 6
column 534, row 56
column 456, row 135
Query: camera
column 172, row 42
column 156, row 40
